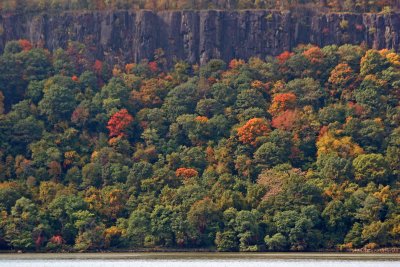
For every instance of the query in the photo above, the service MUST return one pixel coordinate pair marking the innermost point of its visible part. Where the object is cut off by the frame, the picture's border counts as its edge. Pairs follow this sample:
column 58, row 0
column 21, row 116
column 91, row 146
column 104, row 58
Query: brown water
column 200, row 260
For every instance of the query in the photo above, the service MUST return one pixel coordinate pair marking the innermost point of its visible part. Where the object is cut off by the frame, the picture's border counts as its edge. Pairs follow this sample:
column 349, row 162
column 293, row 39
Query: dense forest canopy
column 295, row 152
column 331, row 5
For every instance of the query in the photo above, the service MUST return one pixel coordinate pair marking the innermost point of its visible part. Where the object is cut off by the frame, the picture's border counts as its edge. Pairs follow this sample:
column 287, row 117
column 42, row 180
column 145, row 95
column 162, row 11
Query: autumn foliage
column 186, row 172
column 285, row 120
column 153, row 66
column 342, row 146
column 252, row 130
column 267, row 155
column 284, row 56
column 236, row 63
column 98, row 67
column 119, row 122
column 282, row 102
column 25, row 44
column 314, row 55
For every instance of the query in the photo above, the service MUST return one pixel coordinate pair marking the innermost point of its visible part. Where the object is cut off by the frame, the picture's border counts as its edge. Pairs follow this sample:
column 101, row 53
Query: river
column 200, row 260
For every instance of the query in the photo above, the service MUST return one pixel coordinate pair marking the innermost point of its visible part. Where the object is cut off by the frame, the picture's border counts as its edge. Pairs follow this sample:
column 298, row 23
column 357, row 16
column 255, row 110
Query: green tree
column 371, row 168
column 19, row 231
column 58, row 103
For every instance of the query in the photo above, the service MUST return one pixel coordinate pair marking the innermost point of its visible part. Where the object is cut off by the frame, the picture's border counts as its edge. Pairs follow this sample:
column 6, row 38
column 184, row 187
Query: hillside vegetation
column 295, row 152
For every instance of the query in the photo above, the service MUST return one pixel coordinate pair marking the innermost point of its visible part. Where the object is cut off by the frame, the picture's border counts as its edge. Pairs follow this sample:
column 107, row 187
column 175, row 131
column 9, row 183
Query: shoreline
column 217, row 256
column 171, row 251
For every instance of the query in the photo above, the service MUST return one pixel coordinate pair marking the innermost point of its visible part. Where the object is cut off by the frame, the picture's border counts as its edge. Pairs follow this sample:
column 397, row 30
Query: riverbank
column 208, row 251
column 202, row 256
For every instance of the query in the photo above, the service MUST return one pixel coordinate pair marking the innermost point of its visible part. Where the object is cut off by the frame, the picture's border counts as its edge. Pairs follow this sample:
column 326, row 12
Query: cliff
column 197, row 36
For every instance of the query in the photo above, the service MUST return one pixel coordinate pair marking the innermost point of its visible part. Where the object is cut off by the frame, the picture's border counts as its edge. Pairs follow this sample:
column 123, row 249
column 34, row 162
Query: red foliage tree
column 252, row 130
column 153, row 66
column 25, row 44
column 285, row 121
column 358, row 109
column 119, row 122
column 98, row 67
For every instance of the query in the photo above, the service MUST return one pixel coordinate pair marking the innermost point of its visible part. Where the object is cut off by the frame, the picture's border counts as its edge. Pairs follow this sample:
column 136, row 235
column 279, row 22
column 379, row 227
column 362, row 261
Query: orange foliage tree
column 150, row 94
column 252, row 130
column 186, row 173
column 282, row 102
column 119, row 122
column 236, row 63
column 283, row 57
column 314, row 55
column 342, row 77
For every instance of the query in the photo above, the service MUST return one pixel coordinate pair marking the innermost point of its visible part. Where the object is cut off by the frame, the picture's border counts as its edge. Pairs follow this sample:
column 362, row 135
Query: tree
column 119, row 122
column 58, row 103
column 337, row 219
column 10, row 192
column 253, row 130
column 341, row 146
column 181, row 100
column 334, row 167
column 61, row 216
column 223, row 93
column 227, row 240
column 161, row 219
column 208, row 107
column 113, row 97
column 37, row 65
column 22, row 222
column 24, row 132
column 369, row 94
column 91, row 234
column 372, row 63
column 269, row 154
column 307, row 90
column 282, row 102
column 249, row 98
column 248, row 230
column 186, row 173
column 138, row 228
column 342, row 78
column 371, row 168
column 203, row 216
column 277, row 242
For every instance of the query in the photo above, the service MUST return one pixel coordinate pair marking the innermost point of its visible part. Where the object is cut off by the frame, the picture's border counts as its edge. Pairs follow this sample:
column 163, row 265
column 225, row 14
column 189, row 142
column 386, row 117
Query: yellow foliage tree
column 341, row 146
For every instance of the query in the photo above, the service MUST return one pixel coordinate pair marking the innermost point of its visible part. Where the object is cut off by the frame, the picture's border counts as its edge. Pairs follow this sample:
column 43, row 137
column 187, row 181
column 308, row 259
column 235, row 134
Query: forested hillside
column 333, row 5
column 296, row 152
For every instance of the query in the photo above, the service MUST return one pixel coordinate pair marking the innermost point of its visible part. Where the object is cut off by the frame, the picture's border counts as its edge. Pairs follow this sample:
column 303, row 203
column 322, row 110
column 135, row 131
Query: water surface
column 200, row 260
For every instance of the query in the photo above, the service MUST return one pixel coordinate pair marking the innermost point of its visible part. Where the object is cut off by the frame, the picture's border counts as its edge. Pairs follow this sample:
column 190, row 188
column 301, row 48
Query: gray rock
column 197, row 36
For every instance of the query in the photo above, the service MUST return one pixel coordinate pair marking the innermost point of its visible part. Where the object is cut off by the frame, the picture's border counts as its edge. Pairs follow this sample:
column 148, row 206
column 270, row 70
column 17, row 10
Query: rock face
column 197, row 36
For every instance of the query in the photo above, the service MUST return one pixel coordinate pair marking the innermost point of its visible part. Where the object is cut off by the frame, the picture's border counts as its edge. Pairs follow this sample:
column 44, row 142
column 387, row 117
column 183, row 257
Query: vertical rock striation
column 197, row 36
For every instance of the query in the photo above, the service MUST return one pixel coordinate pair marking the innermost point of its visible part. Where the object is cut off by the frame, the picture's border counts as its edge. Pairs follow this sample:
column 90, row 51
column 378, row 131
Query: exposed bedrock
column 197, row 36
